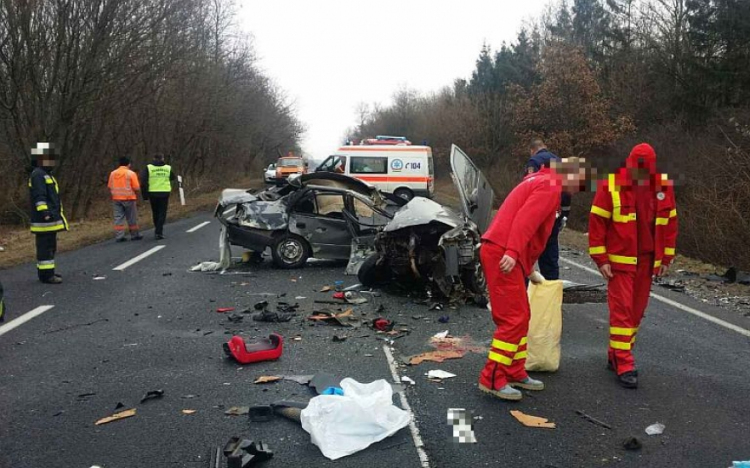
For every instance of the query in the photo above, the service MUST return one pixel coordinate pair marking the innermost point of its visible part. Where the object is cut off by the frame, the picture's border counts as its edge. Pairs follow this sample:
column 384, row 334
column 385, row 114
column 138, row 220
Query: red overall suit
column 633, row 228
column 520, row 229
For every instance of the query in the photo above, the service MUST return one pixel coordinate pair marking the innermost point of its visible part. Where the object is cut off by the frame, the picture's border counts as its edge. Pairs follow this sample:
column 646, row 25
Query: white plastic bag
column 343, row 425
column 225, row 255
column 545, row 327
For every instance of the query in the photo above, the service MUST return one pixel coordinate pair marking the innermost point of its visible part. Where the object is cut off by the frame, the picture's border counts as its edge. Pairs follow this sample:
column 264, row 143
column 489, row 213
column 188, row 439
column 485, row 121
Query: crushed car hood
column 420, row 211
column 474, row 190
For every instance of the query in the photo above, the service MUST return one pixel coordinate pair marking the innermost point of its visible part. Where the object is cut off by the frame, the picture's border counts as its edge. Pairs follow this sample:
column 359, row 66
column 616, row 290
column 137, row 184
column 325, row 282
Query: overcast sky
column 330, row 55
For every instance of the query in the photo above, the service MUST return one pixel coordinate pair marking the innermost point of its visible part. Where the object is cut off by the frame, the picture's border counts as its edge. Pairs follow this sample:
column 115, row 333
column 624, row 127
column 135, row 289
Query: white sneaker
column 505, row 393
column 528, row 384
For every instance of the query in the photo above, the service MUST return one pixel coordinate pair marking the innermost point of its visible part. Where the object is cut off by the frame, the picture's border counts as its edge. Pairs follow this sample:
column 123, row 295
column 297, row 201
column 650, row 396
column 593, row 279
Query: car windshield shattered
column 385, row 239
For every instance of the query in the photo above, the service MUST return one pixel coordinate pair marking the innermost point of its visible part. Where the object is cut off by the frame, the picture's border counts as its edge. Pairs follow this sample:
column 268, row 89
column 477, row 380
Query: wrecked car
column 320, row 215
column 428, row 244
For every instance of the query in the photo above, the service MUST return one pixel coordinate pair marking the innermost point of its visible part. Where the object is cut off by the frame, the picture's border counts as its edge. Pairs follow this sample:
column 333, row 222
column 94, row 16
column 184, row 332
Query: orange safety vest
column 123, row 183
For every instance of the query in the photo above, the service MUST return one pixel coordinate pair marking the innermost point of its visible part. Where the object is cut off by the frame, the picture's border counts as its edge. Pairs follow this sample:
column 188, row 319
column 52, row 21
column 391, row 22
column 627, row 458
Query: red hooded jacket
column 613, row 230
column 524, row 222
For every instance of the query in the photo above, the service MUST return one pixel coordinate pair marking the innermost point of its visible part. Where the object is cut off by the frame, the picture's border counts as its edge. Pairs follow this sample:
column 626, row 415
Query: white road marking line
column 24, row 318
column 138, row 258
column 425, row 461
column 666, row 300
column 195, row 228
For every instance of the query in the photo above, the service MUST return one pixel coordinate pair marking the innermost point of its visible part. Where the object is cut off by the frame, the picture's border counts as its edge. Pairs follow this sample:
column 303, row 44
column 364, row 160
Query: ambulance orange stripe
column 386, row 178
column 399, row 148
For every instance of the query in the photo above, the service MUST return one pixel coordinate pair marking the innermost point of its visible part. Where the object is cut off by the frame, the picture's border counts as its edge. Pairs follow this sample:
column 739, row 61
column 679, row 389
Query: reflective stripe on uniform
column 617, row 215
column 49, row 179
column 623, row 259
column 520, row 355
column 620, row 345
column 622, row 331
column 673, row 213
column 497, row 357
column 601, row 212
column 597, row 250
column 505, row 346
column 657, row 263
column 669, row 251
column 662, row 221
column 42, row 206
column 46, row 265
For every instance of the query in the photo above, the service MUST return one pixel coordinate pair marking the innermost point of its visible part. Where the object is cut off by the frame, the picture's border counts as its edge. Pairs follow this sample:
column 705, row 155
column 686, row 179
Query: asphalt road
column 154, row 326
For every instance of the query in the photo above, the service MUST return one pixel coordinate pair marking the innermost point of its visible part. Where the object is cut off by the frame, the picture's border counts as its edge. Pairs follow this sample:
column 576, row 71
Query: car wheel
column 473, row 279
column 371, row 274
column 290, row 251
column 404, row 193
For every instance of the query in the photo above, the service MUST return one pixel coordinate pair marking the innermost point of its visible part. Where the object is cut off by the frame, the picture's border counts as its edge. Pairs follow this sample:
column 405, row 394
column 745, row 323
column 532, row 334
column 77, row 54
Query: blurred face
column 639, row 174
column 572, row 175
column 46, row 160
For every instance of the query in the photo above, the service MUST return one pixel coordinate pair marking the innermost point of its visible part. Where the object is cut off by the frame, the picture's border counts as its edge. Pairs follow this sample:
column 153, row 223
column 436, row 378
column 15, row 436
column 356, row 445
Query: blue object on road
column 333, row 391
column 338, row 285
column 741, row 464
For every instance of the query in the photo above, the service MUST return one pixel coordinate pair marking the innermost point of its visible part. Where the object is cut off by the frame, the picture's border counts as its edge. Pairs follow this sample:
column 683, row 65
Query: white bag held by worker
column 343, row 425
column 545, row 327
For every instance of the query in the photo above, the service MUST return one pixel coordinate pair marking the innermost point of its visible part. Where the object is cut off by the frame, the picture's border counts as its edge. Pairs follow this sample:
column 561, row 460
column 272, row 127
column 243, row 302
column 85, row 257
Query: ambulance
column 392, row 164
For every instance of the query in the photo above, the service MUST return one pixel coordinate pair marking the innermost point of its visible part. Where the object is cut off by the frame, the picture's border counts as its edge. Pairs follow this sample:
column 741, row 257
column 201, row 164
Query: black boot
column 628, row 379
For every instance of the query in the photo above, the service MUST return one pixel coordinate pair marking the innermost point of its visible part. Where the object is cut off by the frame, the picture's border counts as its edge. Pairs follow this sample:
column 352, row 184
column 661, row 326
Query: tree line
column 110, row 78
column 595, row 77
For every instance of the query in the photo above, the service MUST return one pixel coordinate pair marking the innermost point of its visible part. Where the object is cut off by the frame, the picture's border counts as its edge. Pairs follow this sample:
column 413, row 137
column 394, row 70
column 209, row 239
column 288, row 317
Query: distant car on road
column 289, row 165
column 269, row 176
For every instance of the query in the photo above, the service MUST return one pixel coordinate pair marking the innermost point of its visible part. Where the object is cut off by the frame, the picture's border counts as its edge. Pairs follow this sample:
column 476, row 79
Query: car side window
column 306, row 205
column 369, row 165
column 330, row 205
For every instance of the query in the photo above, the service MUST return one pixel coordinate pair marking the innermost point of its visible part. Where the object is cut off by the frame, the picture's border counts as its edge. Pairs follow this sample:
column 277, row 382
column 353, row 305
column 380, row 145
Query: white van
column 404, row 170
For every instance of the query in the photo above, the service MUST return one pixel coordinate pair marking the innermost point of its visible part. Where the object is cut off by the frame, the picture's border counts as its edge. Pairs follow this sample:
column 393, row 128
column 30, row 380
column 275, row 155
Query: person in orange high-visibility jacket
column 123, row 185
column 510, row 247
column 632, row 236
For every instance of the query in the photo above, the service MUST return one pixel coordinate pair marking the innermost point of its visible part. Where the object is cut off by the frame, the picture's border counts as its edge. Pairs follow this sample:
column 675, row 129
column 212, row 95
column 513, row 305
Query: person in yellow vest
column 47, row 217
column 124, row 187
column 157, row 185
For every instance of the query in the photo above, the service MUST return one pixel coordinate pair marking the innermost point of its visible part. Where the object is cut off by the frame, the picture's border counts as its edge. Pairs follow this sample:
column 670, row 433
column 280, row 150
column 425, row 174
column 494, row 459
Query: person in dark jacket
column 2, row 304
column 156, row 185
column 549, row 261
column 47, row 216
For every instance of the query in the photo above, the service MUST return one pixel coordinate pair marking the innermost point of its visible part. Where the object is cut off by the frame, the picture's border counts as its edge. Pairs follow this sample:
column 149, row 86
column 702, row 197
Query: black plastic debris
column 632, row 443
column 261, row 305
column 323, row 380
column 235, row 318
column 338, row 339
column 436, row 306
column 269, row 316
column 241, row 453
column 152, row 395
column 260, row 413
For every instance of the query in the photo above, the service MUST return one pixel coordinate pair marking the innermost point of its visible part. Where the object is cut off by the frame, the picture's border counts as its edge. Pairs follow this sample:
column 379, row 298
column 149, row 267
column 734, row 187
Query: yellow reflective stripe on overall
column 497, row 357
column 669, row 251
column 597, row 250
column 521, row 355
column 601, row 212
column 657, row 263
column 46, row 265
column 622, row 259
column 622, row 331
column 620, row 345
column 617, row 215
column 505, row 346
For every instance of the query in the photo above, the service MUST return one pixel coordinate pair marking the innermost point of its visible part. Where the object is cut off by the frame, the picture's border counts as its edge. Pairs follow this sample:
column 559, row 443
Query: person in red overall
column 632, row 237
column 510, row 248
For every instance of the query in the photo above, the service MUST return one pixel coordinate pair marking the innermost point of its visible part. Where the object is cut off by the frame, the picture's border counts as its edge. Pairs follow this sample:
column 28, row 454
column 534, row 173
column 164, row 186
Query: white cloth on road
column 343, row 425
column 225, row 256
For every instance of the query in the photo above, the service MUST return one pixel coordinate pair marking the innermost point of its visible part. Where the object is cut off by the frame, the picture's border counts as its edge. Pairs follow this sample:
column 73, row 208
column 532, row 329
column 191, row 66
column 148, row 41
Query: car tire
column 290, row 251
column 474, row 280
column 371, row 274
column 404, row 193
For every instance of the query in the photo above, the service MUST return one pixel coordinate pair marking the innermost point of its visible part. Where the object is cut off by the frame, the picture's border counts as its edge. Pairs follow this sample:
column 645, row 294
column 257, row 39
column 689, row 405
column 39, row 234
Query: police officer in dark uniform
column 541, row 157
column 47, row 217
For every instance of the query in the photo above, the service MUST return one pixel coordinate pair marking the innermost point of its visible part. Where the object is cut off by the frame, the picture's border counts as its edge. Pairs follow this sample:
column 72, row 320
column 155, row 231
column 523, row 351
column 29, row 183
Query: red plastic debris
column 222, row 310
